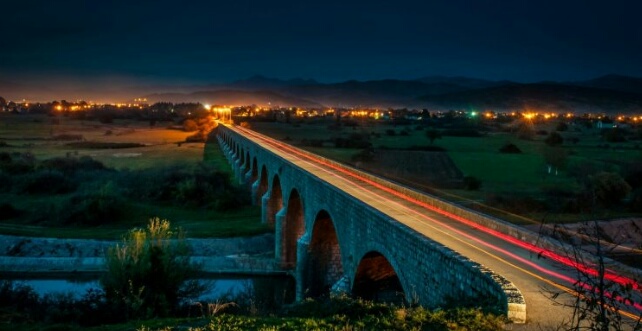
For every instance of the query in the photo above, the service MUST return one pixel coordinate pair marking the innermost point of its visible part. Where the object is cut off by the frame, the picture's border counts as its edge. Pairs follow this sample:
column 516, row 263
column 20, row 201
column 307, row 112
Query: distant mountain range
column 610, row 93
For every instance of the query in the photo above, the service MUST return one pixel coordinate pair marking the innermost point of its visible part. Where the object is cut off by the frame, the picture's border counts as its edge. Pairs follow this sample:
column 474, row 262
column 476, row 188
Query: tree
column 554, row 139
column 598, row 298
column 148, row 273
column 190, row 125
column 555, row 159
column 433, row 134
column 608, row 188
column 525, row 131
column 614, row 135
column 561, row 126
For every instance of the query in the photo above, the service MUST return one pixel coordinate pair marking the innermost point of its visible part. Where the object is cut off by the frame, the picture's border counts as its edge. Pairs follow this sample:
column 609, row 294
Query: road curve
column 534, row 274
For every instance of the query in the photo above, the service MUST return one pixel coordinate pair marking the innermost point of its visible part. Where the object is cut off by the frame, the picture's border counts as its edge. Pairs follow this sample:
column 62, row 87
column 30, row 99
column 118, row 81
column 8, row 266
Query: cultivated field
column 503, row 176
column 153, row 154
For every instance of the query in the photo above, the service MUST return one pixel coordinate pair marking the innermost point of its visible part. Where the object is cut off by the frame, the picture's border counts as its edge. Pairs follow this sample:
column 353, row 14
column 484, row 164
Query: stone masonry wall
column 429, row 273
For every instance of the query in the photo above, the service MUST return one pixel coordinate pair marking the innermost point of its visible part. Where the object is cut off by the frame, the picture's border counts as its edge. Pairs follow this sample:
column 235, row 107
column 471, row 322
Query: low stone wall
column 215, row 265
column 250, row 255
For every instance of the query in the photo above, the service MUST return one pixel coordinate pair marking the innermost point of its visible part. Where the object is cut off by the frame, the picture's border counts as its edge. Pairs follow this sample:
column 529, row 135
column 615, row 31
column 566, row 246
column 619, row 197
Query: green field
column 36, row 133
column 521, row 175
column 164, row 148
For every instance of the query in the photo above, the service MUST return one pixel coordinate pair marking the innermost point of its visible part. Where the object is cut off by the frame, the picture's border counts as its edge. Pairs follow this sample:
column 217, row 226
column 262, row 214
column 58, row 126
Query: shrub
column 614, row 135
column 525, row 131
column 45, row 182
column 433, row 134
column 461, row 133
column 561, row 126
column 198, row 137
column 92, row 209
column 190, row 125
column 365, row 155
column 635, row 204
column 8, row 211
column 554, row 139
column 312, row 142
column 17, row 163
column 355, row 140
column 200, row 185
column 472, row 183
column 5, row 157
column 608, row 188
column 18, row 298
column 71, row 165
column 6, row 182
column 148, row 273
column 541, row 132
column 510, row 149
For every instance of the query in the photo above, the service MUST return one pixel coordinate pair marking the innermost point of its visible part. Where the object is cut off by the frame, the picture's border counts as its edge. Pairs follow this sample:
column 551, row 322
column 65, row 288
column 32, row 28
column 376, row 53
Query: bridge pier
column 237, row 167
column 279, row 219
column 247, row 178
column 255, row 190
column 300, row 275
column 265, row 203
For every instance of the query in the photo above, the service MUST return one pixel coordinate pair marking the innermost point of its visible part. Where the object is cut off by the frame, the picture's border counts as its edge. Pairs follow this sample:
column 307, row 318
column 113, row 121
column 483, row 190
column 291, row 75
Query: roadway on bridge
column 532, row 274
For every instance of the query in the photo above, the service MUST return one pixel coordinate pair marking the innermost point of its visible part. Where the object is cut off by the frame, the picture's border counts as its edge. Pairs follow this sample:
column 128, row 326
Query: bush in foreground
column 149, row 273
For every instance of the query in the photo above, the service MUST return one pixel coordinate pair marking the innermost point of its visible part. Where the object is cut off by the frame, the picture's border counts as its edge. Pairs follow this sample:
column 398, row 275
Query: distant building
column 606, row 124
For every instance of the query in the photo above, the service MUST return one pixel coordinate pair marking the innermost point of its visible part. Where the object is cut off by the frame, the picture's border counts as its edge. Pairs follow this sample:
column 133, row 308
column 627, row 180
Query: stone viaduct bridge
column 331, row 241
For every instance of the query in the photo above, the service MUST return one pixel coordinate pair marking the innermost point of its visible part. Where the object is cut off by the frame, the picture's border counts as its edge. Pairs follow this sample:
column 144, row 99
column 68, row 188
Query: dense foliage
column 85, row 192
column 149, row 273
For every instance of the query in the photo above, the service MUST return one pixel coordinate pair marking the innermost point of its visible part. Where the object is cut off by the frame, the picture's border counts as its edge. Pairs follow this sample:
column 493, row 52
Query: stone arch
column 376, row 279
column 324, row 266
column 292, row 229
column 276, row 201
column 255, row 171
column 263, row 185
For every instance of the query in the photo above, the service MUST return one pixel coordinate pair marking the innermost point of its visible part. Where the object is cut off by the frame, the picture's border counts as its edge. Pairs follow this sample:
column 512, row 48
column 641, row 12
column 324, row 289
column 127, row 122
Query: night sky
column 185, row 42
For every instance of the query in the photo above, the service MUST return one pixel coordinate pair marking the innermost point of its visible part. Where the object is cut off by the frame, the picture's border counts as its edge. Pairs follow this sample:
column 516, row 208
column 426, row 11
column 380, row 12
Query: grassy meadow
column 523, row 175
column 159, row 152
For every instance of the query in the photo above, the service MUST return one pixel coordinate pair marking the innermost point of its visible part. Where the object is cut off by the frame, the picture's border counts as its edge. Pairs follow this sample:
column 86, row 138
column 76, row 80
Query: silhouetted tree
column 561, row 126
column 609, row 188
column 555, row 158
column 554, row 139
column 433, row 134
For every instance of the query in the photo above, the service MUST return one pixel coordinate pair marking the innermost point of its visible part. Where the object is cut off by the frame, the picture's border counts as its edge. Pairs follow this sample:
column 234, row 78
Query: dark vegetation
column 26, row 310
column 510, row 148
column 90, row 194
column 102, row 145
